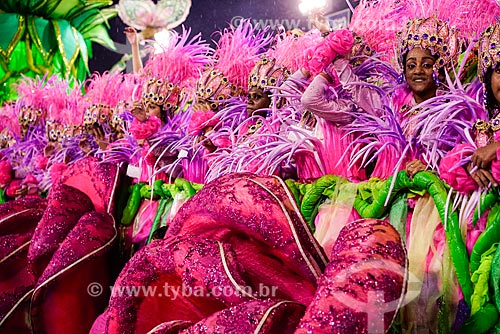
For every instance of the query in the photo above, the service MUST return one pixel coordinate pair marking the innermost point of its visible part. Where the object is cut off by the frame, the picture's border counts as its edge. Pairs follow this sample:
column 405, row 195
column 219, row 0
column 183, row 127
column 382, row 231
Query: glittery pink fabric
column 61, row 302
column 240, row 233
column 262, row 316
column 363, row 284
column 18, row 220
column 70, row 248
column 170, row 327
column 15, row 279
column 21, row 221
column 9, row 243
column 257, row 217
column 19, row 205
column 144, row 291
column 65, row 206
column 96, row 179
column 210, row 266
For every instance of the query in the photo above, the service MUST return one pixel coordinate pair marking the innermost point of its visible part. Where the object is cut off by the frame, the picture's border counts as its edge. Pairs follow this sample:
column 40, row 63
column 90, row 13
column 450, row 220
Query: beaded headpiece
column 489, row 49
column 238, row 49
column 215, row 87
column 360, row 48
column 96, row 113
column 172, row 73
column 55, row 131
column 107, row 96
column 266, row 73
column 9, row 124
column 29, row 116
column 31, row 106
column 162, row 93
column 429, row 34
column 287, row 55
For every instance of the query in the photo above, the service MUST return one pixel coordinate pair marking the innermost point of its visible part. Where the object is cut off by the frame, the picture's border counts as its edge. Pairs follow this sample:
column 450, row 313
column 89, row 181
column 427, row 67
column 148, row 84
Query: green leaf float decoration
column 312, row 198
column 50, row 37
column 374, row 207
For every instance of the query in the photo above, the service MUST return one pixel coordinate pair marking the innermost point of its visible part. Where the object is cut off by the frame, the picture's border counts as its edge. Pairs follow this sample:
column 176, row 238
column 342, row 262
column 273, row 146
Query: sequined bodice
column 487, row 131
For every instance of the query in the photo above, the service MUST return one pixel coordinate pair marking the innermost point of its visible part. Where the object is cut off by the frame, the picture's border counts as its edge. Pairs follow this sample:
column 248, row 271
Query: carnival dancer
column 220, row 103
column 262, row 142
column 471, row 169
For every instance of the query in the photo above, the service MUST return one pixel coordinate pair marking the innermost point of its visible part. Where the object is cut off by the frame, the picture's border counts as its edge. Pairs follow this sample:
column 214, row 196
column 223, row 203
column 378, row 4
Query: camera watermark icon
column 94, row 289
column 376, row 305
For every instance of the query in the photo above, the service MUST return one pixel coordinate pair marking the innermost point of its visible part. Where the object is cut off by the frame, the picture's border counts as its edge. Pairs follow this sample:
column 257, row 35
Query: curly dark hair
column 490, row 103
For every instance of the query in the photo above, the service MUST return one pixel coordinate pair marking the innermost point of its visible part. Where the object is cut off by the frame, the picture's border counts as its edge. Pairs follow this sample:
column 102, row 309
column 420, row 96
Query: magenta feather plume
column 28, row 90
column 379, row 21
column 8, row 120
column 238, row 49
column 181, row 61
column 290, row 51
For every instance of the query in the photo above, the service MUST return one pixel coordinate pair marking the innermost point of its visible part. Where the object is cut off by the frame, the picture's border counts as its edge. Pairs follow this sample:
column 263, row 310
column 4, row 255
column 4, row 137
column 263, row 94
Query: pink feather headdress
column 30, row 105
column 201, row 119
column 379, row 21
column 108, row 95
column 50, row 102
column 104, row 93
column 64, row 109
column 238, row 50
column 172, row 74
column 287, row 55
column 9, row 125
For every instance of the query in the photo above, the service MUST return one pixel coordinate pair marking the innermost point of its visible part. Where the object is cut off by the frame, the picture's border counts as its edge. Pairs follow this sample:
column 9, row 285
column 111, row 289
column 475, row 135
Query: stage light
column 307, row 7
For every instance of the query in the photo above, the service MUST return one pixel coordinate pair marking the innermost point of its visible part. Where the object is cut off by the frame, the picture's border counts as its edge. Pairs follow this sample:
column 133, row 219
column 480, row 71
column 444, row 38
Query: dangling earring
column 485, row 96
column 436, row 78
column 401, row 78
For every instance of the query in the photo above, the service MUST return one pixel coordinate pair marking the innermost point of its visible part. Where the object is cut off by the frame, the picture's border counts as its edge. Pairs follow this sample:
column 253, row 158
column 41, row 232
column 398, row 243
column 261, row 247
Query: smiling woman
column 425, row 48
column 419, row 74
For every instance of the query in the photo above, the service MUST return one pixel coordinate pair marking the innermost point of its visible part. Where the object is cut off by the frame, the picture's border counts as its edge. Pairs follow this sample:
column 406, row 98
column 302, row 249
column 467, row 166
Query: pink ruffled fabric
column 474, row 231
column 144, row 220
column 341, row 41
column 456, row 176
column 337, row 43
column 200, row 120
column 143, row 130
column 56, row 171
column 30, row 179
column 5, row 173
column 222, row 142
column 13, row 187
column 41, row 162
column 148, row 156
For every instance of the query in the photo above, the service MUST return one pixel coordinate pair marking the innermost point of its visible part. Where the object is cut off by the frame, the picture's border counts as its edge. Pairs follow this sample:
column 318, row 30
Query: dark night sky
column 209, row 16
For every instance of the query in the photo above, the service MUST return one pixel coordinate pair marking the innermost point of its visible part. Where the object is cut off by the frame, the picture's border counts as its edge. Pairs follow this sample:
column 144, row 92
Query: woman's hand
column 320, row 22
column 131, row 34
column 22, row 191
column 483, row 156
column 98, row 133
column 207, row 143
column 483, row 178
column 138, row 112
column 415, row 166
column 305, row 72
